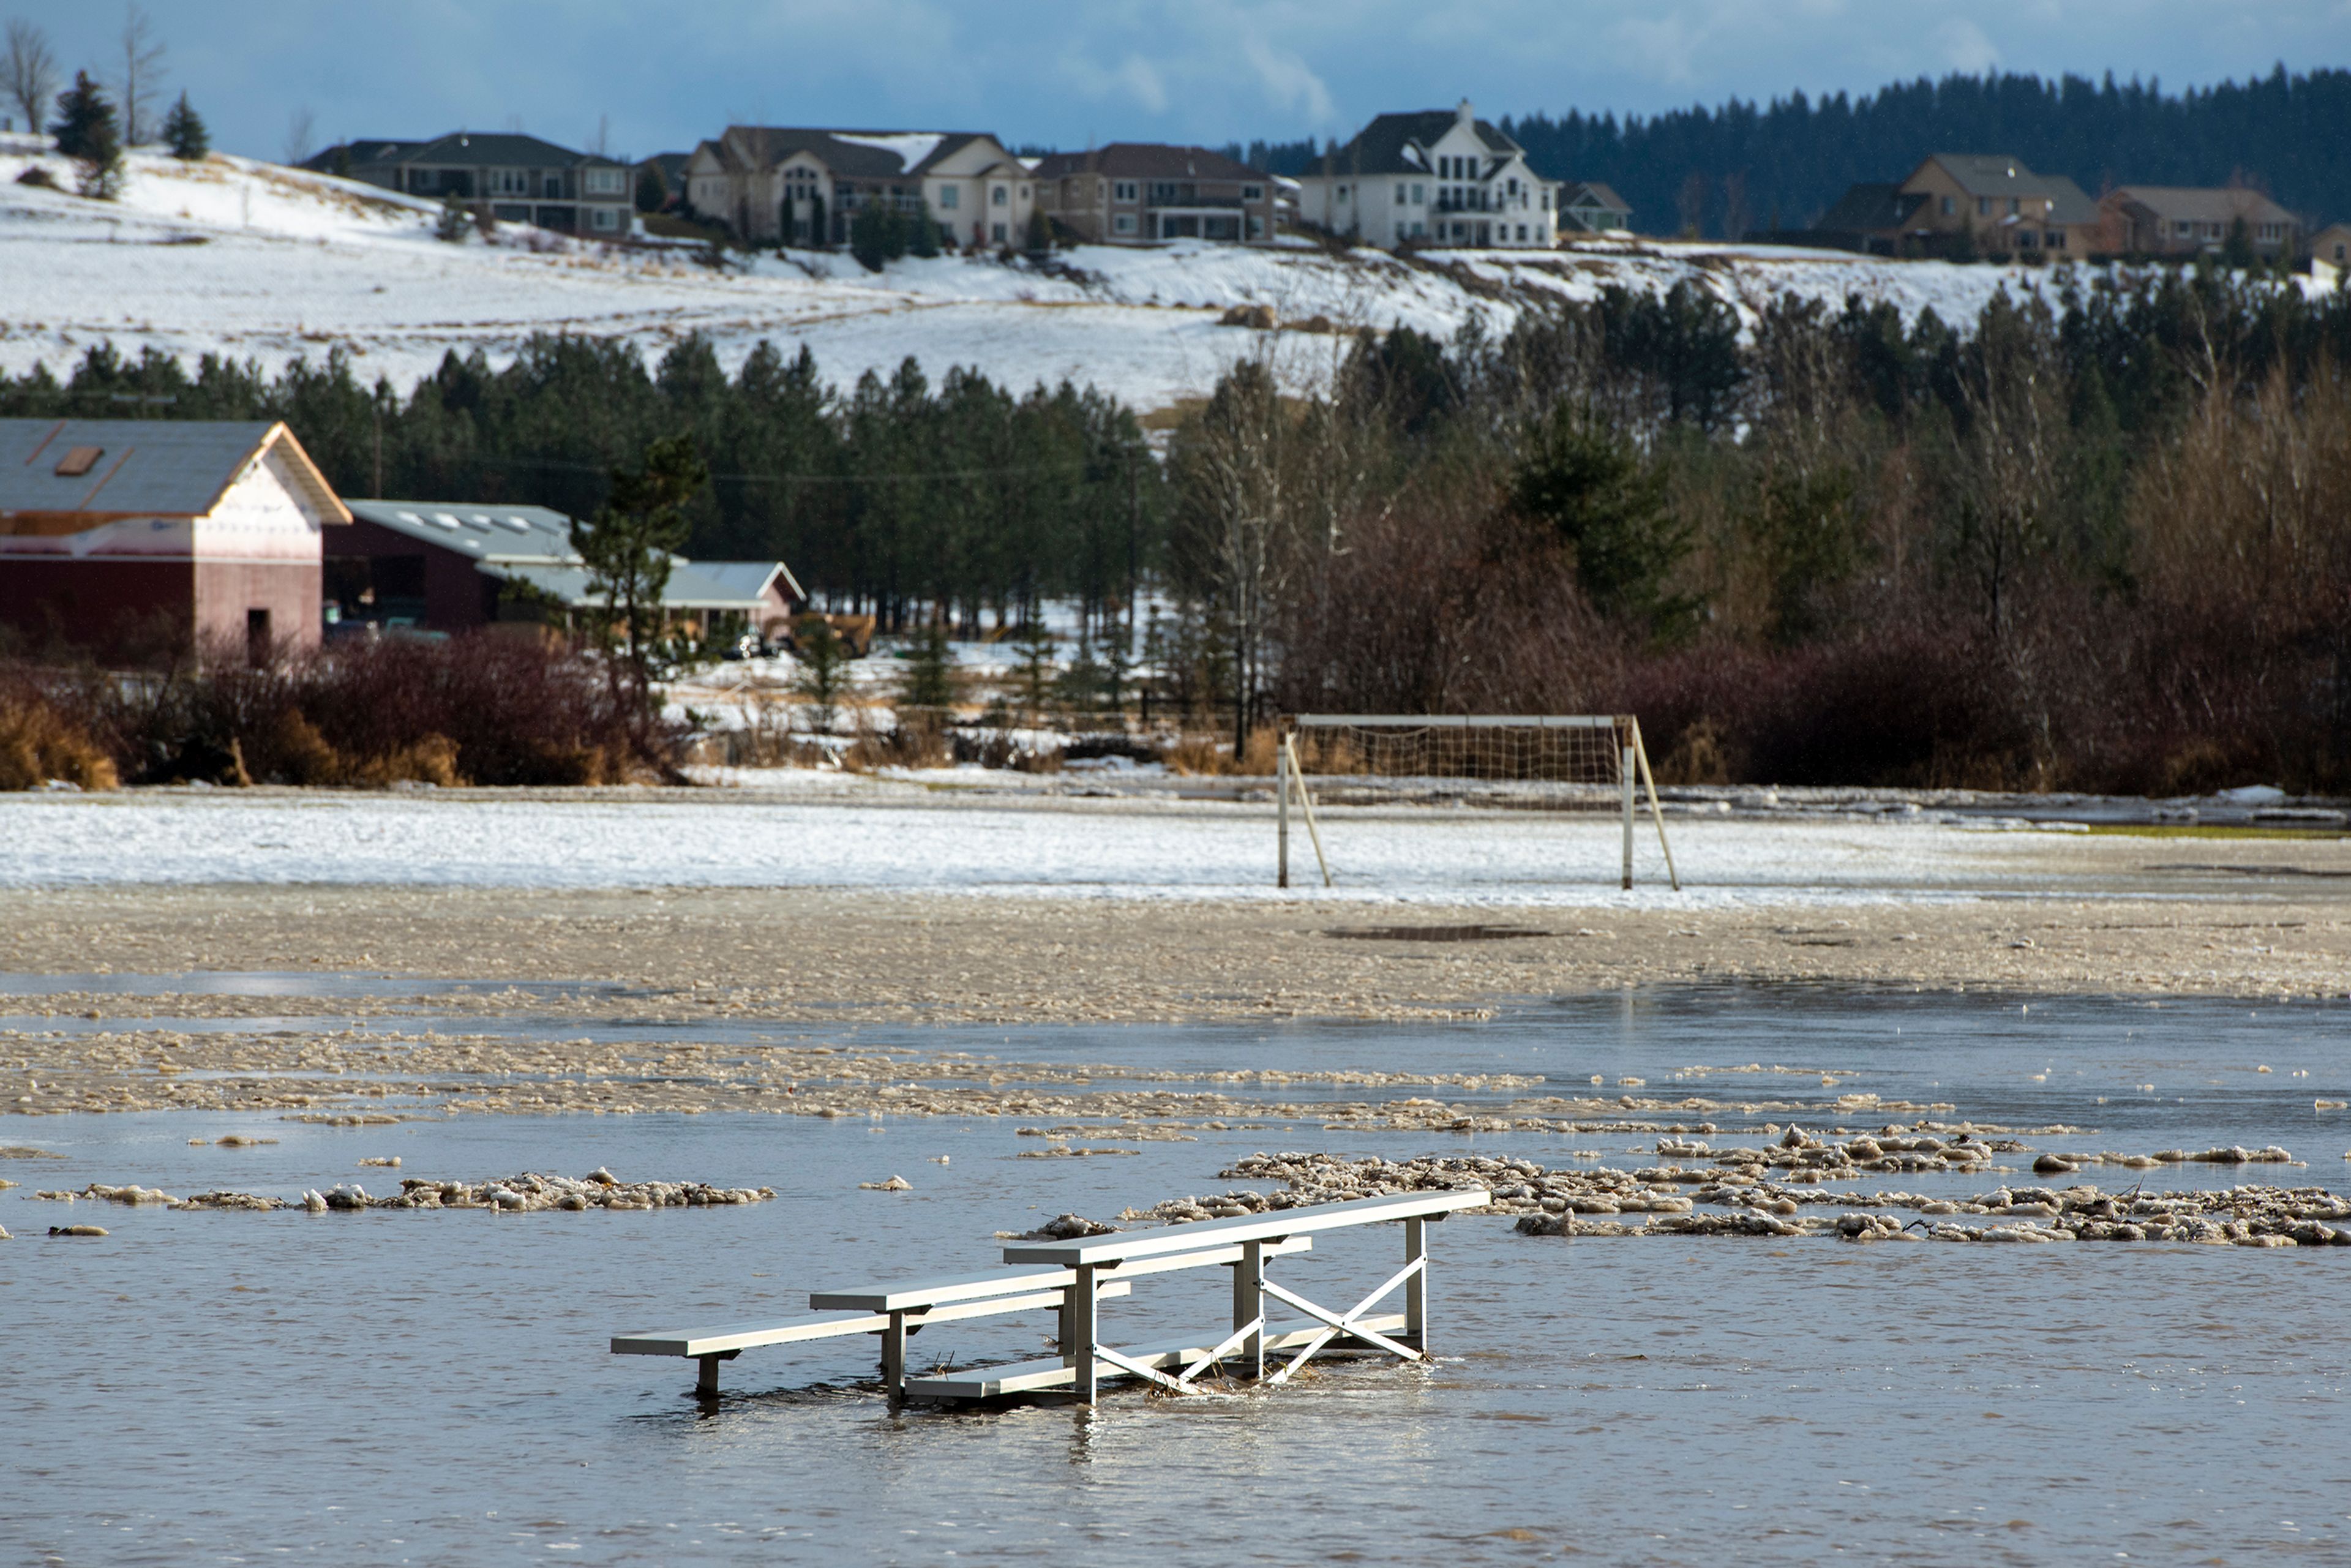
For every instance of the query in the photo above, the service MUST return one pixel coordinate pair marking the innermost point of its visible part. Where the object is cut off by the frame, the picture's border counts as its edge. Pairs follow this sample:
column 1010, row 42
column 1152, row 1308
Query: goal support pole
column 1306, row 807
column 1657, row 812
column 1281, row 814
column 1624, row 764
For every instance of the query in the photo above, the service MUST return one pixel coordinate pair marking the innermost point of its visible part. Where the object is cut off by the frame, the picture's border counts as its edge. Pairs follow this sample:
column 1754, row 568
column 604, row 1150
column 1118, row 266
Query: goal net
column 1573, row 761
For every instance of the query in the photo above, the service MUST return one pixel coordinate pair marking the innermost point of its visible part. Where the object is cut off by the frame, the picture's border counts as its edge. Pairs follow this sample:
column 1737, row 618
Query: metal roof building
column 448, row 566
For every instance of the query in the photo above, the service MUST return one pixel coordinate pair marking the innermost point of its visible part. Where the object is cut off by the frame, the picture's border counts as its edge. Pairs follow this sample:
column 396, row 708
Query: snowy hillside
column 260, row 262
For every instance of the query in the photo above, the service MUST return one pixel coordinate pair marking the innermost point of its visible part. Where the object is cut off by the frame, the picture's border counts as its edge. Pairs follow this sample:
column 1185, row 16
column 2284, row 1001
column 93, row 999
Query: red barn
column 120, row 535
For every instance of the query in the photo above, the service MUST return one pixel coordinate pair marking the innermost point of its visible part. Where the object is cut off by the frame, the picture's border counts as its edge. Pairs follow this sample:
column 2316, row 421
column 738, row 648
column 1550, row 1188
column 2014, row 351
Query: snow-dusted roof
column 862, row 154
column 482, row 533
column 144, row 467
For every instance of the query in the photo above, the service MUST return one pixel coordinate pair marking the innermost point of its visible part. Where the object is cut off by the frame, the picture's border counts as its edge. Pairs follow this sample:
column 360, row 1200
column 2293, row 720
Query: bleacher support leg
column 1078, row 1346
column 1249, row 1306
column 1416, row 1290
column 894, row 1359
column 706, row 1381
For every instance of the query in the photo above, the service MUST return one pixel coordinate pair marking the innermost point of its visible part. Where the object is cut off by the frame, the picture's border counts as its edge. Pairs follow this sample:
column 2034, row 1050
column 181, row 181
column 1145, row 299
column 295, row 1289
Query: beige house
column 1439, row 177
column 2332, row 244
column 2000, row 204
column 804, row 187
column 2186, row 220
column 1147, row 193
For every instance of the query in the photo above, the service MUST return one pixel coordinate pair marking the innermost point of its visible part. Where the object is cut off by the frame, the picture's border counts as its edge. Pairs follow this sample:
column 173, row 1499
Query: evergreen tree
column 2237, row 250
column 454, row 218
column 824, row 657
column 184, row 133
column 653, row 191
column 342, row 164
column 928, row 679
column 924, row 238
column 1598, row 495
column 628, row 545
column 81, row 109
column 88, row 133
column 1040, row 233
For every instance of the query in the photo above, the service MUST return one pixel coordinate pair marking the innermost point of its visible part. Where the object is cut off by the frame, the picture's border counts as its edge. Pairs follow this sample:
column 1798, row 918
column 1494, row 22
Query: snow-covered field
column 902, row 837
column 255, row 261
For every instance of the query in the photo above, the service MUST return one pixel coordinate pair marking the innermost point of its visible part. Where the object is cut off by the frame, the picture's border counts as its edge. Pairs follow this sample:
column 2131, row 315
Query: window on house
column 2027, row 240
column 999, row 196
column 1419, row 193
column 1122, row 223
column 996, row 232
column 2056, row 239
column 1252, row 193
column 950, row 198
column 602, row 183
column 1256, row 226
column 1342, row 192
column 1401, row 190
column 1949, row 206
column 1983, row 206
column 604, row 217
column 1124, row 190
column 1024, row 192
column 553, row 186
column 2012, row 207
column 2339, row 251
column 1522, row 234
column 2184, row 227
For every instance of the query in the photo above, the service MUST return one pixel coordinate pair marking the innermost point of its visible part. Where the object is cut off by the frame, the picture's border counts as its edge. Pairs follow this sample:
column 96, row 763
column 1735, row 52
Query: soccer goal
column 1562, row 751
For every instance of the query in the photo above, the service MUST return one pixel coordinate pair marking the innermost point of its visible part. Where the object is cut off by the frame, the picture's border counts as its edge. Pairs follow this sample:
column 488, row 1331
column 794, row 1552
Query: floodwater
column 435, row 1387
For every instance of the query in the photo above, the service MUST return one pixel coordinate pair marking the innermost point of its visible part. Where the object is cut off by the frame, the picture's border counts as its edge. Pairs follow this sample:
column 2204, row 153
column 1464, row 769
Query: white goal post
column 1553, row 748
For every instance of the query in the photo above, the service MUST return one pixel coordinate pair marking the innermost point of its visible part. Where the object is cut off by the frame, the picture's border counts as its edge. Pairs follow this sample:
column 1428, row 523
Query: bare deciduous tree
column 139, row 83
column 32, row 72
column 301, row 134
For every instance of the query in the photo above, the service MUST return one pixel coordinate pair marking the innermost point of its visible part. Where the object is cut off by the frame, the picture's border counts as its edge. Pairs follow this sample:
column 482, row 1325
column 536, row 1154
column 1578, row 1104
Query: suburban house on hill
column 1139, row 192
column 2179, row 220
column 522, row 178
column 2332, row 244
column 445, row 566
column 1437, row 177
column 1590, row 207
column 1989, row 201
column 803, row 186
column 113, row 532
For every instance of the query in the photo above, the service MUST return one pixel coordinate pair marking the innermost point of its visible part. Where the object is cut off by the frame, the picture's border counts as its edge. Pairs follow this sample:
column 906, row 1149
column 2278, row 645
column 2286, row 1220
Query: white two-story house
column 804, row 187
column 1435, row 178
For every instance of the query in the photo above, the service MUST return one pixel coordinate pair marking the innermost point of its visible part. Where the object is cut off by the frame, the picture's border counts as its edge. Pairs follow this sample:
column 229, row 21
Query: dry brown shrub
column 36, row 744
column 1193, row 755
column 1696, row 756
column 431, row 761
column 302, row 754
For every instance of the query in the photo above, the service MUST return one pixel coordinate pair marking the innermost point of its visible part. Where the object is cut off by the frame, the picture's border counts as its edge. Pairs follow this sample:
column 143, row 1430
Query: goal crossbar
column 1621, row 760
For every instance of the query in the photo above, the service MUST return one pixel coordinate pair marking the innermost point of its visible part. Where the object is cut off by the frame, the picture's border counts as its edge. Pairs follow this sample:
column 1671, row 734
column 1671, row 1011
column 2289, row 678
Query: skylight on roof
column 448, row 520
column 520, row 525
column 410, row 517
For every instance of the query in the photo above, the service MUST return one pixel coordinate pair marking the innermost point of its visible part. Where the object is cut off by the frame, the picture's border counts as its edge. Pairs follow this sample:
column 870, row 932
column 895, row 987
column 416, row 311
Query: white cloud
column 1288, row 81
column 1134, row 81
column 1964, row 47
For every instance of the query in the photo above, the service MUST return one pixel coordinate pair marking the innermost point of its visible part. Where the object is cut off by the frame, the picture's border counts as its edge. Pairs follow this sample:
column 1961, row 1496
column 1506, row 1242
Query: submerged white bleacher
column 1074, row 1277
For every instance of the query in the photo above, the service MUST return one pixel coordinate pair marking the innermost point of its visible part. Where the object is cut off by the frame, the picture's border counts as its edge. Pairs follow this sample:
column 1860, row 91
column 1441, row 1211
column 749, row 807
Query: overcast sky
column 1070, row 72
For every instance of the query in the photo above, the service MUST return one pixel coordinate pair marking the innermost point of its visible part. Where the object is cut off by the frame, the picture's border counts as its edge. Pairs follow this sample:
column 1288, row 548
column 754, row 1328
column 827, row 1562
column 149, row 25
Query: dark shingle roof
column 465, row 148
column 143, row 467
column 1379, row 147
column 1147, row 161
column 1593, row 194
column 1870, row 209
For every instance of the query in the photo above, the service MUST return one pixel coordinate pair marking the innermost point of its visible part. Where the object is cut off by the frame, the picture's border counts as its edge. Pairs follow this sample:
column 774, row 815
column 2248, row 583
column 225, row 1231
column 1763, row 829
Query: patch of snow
column 2253, row 795
column 909, row 147
column 912, row 835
